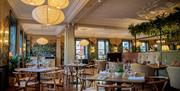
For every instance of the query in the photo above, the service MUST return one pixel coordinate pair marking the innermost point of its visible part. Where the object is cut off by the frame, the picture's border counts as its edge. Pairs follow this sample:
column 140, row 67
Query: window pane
column 101, row 45
column 21, row 40
column 77, row 44
column 125, row 45
column 107, row 47
column 13, row 39
column 101, row 54
column 81, row 51
column 103, row 48
column 143, row 47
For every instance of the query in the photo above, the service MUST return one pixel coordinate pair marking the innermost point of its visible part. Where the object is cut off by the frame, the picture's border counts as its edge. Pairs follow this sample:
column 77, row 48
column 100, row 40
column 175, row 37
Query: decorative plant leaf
column 166, row 24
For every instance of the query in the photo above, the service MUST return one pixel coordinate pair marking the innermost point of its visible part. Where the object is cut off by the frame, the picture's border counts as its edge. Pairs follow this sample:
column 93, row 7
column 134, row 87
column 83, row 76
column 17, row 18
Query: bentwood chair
column 111, row 87
column 54, row 80
column 22, row 83
column 101, row 65
column 69, row 73
column 151, row 80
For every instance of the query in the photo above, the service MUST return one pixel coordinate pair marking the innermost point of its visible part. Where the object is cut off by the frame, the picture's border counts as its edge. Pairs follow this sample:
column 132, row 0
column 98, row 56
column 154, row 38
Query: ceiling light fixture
column 33, row 2
column 48, row 15
column 42, row 41
column 165, row 48
column 60, row 4
column 84, row 42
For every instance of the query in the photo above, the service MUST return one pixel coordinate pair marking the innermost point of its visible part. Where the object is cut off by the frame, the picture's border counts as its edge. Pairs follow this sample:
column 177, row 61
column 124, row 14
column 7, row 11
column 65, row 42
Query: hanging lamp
column 42, row 41
column 60, row 4
column 84, row 42
column 33, row 2
column 48, row 15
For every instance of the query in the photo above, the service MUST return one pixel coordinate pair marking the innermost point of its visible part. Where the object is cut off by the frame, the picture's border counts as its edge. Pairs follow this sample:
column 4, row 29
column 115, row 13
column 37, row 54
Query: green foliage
column 14, row 59
column 13, row 63
column 120, row 70
column 93, row 55
column 166, row 24
column 42, row 50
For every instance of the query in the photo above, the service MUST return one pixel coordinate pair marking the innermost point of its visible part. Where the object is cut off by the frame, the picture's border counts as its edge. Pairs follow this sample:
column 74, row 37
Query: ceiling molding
column 35, row 22
column 88, row 8
column 39, row 29
column 75, row 9
column 98, row 26
column 59, row 30
column 100, row 37
column 16, row 10
column 110, row 22
column 101, row 32
column 27, row 21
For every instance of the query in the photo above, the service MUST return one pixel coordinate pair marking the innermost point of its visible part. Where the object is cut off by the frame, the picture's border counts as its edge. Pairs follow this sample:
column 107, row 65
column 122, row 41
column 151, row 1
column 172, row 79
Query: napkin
column 103, row 73
column 135, row 78
column 102, row 77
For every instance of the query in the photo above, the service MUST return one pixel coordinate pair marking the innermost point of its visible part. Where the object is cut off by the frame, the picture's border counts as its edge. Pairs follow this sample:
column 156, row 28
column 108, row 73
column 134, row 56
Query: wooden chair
column 105, row 86
column 148, row 71
column 89, row 70
column 111, row 87
column 69, row 73
column 101, row 65
column 151, row 80
column 54, row 80
column 22, row 83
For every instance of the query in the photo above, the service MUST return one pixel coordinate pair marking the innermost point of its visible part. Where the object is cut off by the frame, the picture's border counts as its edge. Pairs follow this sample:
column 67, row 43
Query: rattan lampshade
column 42, row 41
column 48, row 15
column 84, row 42
column 60, row 4
column 33, row 2
column 165, row 48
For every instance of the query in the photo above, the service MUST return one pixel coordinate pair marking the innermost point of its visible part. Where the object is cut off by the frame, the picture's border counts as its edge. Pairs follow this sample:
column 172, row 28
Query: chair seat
column 27, row 78
column 23, row 84
column 70, row 74
column 86, row 73
column 124, row 87
column 101, row 89
column 90, row 89
column 57, row 81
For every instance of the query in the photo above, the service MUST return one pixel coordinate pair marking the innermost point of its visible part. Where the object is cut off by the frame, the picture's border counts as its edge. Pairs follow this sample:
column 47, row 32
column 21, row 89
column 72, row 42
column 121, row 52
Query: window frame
column 12, row 22
column 105, row 49
column 86, row 49
column 129, row 47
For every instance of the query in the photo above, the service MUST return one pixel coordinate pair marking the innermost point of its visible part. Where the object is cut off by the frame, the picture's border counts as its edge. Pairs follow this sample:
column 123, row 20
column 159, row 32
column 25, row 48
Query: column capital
column 72, row 26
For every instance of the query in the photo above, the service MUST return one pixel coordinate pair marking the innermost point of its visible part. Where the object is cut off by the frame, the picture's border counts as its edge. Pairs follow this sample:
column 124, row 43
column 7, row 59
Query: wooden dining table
column 116, row 79
column 37, row 70
column 157, row 68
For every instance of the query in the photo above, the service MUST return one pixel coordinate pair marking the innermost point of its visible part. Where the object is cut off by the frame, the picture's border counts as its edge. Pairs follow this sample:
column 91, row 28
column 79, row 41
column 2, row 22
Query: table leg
column 157, row 72
column 83, row 85
column 38, row 79
column 118, row 89
column 76, row 77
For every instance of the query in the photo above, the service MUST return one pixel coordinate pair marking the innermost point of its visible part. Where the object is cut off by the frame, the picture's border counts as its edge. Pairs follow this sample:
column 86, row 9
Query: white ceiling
column 117, row 15
column 99, row 32
column 23, row 13
column 38, row 29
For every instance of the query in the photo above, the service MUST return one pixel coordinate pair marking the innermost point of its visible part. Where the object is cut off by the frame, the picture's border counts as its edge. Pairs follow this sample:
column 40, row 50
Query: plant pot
column 119, row 74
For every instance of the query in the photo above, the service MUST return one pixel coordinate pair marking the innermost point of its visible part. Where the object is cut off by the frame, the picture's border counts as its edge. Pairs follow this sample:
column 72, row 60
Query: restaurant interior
column 89, row 45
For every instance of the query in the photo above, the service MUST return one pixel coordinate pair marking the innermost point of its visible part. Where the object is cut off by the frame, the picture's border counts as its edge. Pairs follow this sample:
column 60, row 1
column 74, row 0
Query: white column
column 58, row 52
column 69, row 44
